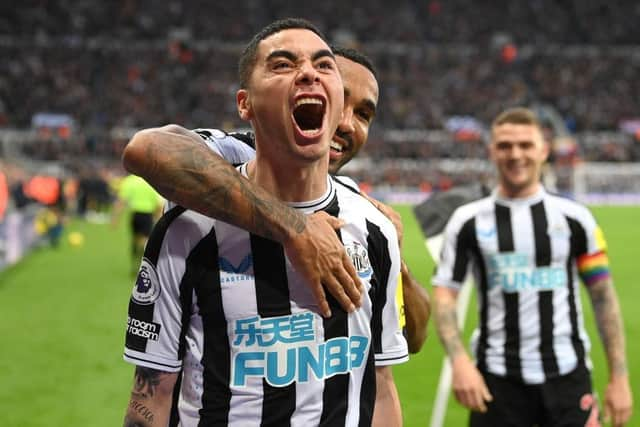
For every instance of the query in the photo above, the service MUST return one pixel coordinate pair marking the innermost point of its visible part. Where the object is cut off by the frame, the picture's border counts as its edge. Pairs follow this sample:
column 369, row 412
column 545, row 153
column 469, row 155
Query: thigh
column 514, row 405
column 569, row 401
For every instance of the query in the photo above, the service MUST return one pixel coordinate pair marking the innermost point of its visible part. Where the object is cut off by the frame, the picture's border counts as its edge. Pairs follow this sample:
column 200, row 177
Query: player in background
column 527, row 249
column 185, row 171
column 228, row 326
column 144, row 205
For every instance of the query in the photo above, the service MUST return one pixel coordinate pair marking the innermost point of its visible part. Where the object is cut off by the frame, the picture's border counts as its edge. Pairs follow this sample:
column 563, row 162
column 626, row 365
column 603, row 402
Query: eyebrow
column 293, row 57
column 371, row 105
column 368, row 103
column 321, row 53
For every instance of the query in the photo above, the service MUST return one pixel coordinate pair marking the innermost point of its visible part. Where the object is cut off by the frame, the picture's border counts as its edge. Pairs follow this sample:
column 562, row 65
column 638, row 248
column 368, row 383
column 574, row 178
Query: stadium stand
column 109, row 68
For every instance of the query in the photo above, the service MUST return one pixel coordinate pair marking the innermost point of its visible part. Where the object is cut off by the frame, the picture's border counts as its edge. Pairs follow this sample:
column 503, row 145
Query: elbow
column 416, row 341
column 135, row 151
column 140, row 149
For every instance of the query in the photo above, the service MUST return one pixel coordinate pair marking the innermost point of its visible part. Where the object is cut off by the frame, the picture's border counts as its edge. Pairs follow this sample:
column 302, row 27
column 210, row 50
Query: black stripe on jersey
column 578, row 247
column 174, row 416
column 503, row 225
column 203, row 275
column 466, row 237
column 345, row 185
column 186, row 300
column 336, row 388
column 542, row 240
column 154, row 244
column 545, row 298
column 272, row 297
column 270, row 270
column 377, row 247
column 511, row 300
column 151, row 253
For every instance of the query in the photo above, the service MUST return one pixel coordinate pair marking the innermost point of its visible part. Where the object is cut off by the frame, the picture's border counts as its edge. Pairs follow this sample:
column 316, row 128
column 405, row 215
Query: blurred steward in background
column 144, row 204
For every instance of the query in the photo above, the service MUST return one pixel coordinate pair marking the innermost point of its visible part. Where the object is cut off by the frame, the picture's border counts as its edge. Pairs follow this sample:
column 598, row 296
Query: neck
column 289, row 182
column 518, row 193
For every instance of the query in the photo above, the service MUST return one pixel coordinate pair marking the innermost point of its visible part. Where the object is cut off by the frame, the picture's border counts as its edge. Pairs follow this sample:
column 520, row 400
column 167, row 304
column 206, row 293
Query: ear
column 491, row 150
column 243, row 102
column 546, row 149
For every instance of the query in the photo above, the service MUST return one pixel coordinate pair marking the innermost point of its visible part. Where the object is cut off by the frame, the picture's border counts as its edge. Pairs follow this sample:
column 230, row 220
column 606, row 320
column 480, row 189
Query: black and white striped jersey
column 235, row 147
column 226, row 309
column 524, row 255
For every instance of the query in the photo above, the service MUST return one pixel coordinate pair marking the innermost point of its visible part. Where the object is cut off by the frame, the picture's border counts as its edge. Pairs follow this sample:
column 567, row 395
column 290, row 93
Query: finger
column 478, row 400
column 625, row 415
column 486, row 394
column 606, row 415
column 335, row 288
column 460, row 397
column 465, row 400
column 351, row 272
column 620, row 417
column 351, row 288
column 335, row 223
column 321, row 299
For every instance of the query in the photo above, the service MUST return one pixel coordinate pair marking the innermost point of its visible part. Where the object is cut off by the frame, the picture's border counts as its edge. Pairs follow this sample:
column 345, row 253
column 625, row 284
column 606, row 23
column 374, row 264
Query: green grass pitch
column 63, row 314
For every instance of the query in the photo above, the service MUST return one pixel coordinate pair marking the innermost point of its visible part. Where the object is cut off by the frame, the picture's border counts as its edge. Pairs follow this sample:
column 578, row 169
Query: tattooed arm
column 468, row 385
column 176, row 162
column 618, row 401
column 150, row 403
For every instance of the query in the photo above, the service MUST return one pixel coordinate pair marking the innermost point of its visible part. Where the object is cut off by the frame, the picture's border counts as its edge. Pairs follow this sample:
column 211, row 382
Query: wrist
column 292, row 225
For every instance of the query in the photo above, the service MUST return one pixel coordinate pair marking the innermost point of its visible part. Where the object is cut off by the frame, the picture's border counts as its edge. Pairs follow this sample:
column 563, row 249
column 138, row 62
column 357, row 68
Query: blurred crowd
column 142, row 63
column 114, row 67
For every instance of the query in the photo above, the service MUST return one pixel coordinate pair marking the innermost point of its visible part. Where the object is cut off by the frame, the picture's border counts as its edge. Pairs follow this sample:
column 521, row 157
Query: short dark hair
column 355, row 56
column 248, row 58
column 517, row 116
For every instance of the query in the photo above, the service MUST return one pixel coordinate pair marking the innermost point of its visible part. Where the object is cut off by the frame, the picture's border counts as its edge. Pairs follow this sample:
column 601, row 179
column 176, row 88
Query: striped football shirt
column 526, row 257
column 225, row 309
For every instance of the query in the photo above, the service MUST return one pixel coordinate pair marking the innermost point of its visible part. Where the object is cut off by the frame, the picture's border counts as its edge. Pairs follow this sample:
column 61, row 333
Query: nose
column 307, row 74
column 346, row 122
column 516, row 152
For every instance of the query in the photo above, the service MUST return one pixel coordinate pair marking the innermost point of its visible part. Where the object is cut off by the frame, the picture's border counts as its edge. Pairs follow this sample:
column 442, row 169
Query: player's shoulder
column 347, row 182
column 212, row 134
column 472, row 209
column 235, row 147
column 185, row 222
column 354, row 205
column 568, row 207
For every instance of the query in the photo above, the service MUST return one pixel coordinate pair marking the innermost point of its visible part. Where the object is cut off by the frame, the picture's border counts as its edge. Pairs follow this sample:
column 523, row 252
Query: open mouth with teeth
column 308, row 114
column 336, row 147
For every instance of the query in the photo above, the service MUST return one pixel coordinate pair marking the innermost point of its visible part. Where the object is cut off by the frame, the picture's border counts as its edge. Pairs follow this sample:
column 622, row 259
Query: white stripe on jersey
column 229, row 147
column 181, row 259
column 514, row 277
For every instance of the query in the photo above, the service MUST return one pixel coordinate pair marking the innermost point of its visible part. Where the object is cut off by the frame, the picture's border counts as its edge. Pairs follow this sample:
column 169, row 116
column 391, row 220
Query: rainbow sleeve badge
column 594, row 267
